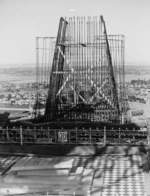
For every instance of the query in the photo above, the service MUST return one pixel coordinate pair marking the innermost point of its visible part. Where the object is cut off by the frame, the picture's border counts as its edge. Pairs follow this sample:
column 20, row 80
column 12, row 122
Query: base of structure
column 76, row 124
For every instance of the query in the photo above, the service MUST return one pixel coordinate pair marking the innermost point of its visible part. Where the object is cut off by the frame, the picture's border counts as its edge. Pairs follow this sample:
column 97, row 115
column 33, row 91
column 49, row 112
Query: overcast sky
column 21, row 21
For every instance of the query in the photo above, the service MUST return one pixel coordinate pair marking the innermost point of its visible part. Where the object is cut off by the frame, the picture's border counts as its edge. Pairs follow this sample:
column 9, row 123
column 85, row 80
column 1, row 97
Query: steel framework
column 86, row 69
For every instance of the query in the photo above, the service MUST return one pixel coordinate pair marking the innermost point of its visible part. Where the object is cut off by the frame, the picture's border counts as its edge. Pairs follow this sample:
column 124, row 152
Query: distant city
column 18, row 86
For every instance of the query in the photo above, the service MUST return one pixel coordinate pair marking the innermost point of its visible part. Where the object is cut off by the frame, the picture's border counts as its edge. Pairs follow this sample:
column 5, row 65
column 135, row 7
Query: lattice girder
column 83, row 74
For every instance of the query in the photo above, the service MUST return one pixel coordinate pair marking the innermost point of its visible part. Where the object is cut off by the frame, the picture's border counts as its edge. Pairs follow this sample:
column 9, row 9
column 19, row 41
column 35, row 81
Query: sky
column 21, row 21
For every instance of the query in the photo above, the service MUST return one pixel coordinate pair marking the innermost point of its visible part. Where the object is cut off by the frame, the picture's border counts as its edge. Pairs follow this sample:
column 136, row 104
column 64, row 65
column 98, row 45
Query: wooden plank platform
column 59, row 180
column 44, row 172
column 35, row 163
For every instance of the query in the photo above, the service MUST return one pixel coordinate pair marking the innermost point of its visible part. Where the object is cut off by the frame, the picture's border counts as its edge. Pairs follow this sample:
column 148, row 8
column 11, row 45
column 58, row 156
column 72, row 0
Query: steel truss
column 87, row 72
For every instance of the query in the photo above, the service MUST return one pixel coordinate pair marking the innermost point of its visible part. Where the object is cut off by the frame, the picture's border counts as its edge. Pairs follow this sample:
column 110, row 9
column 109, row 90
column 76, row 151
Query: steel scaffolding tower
column 86, row 68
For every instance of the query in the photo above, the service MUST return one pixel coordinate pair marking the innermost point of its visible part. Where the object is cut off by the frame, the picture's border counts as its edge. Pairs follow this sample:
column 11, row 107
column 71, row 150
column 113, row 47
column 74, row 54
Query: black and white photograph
column 74, row 97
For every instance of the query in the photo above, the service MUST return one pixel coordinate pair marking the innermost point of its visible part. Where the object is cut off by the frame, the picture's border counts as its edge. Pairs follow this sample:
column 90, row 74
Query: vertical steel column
column 55, row 77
